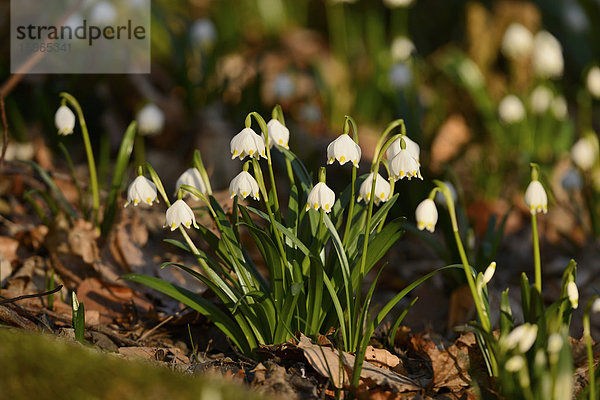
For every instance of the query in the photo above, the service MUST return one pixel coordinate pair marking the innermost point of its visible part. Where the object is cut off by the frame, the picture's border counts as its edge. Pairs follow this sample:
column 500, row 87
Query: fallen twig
column 30, row 296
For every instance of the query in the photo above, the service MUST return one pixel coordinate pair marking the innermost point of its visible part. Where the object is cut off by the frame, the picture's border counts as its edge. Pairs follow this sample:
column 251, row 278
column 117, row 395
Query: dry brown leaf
column 82, row 240
column 381, row 358
column 462, row 308
column 327, row 363
column 8, row 254
column 111, row 301
column 453, row 134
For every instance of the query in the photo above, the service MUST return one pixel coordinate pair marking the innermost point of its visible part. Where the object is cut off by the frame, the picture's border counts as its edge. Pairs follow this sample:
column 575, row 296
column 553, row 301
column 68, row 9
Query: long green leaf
column 50, row 182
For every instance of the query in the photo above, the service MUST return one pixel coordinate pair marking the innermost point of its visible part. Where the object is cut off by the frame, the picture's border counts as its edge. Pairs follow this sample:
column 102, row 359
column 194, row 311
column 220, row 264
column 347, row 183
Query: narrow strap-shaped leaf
column 287, row 233
column 338, row 309
column 244, row 339
column 50, row 182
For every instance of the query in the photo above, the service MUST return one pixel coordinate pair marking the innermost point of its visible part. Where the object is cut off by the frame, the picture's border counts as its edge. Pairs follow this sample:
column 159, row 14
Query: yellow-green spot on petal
column 316, row 206
column 235, row 153
column 173, row 225
column 342, row 159
column 245, row 193
column 149, row 200
column 136, row 201
column 187, row 224
column 251, row 152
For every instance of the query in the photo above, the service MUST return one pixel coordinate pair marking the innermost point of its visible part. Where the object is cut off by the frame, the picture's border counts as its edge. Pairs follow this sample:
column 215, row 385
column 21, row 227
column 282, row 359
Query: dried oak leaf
column 82, row 240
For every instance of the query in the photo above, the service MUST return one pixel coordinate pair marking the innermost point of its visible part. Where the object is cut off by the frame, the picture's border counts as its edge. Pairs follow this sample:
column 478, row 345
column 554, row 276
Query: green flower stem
column 588, row 345
column 90, row 155
column 265, row 131
column 536, row 253
column 350, row 123
column 139, row 149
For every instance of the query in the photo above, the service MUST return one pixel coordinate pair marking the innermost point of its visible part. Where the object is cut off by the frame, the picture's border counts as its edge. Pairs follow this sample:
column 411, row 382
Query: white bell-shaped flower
column 547, row 56
column 279, row 134
column 559, row 108
column 180, row 214
column 412, row 147
column 321, row 197
column 522, row 337
column 247, row 143
column 592, row 81
column 151, row 120
column 64, row 119
column 244, row 185
column 596, row 305
column 191, row 177
column 555, row 343
column 404, row 165
column 584, row 154
column 536, row 198
column 343, row 149
column 517, row 41
column 141, row 190
column 541, row 99
column 511, row 109
column 426, row 215
column 401, row 49
column 573, row 294
column 203, row 33
column 382, row 189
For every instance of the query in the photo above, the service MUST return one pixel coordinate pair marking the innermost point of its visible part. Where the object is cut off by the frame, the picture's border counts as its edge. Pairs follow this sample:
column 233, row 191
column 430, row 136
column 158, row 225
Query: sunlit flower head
column 247, row 143
column 547, row 56
column 141, row 190
column 411, row 146
column 426, row 215
column 511, row 109
column 541, row 99
column 279, row 134
column 191, row 177
column 321, row 197
column 64, row 119
column 180, row 214
column 382, row 189
column 584, row 153
column 151, row 120
column 343, row 149
column 244, row 185
column 517, row 41
column 521, row 337
column 536, row 198
column 401, row 49
column 573, row 294
column 592, row 81
column 404, row 165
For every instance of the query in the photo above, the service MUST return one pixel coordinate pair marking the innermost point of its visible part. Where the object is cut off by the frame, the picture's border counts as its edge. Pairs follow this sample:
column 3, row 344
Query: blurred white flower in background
column 571, row 180
column 439, row 198
column 74, row 21
column 400, row 76
column 575, row 17
column 540, row 100
column 203, row 33
column 592, row 81
column 103, row 13
column 191, row 177
column 559, row 108
column 151, row 120
column 284, row 86
column 19, row 151
column 470, row 73
column 397, row 3
column 517, row 41
column 402, row 48
column 511, row 109
column 584, row 153
column 547, row 56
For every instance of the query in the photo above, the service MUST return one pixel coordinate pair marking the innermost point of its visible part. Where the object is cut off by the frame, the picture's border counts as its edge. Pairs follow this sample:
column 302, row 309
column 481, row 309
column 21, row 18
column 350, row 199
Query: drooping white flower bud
column 541, row 99
column 279, row 134
column 536, row 198
column 584, row 153
column 151, row 120
column 511, row 109
column 343, row 149
column 404, row 165
column 517, row 41
column 547, row 56
column 573, row 294
column 103, row 13
column 180, row 214
column 401, row 49
column 426, row 215
column 64, row 119
column 592, row 81
column 321, row 197
column 555, row 343
column 382, row 189
column 141, row 190
column 521, row 337
column 191, row 177
column 244, row 185
column 247, row 143
column 489, row 273
column 515, row 363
